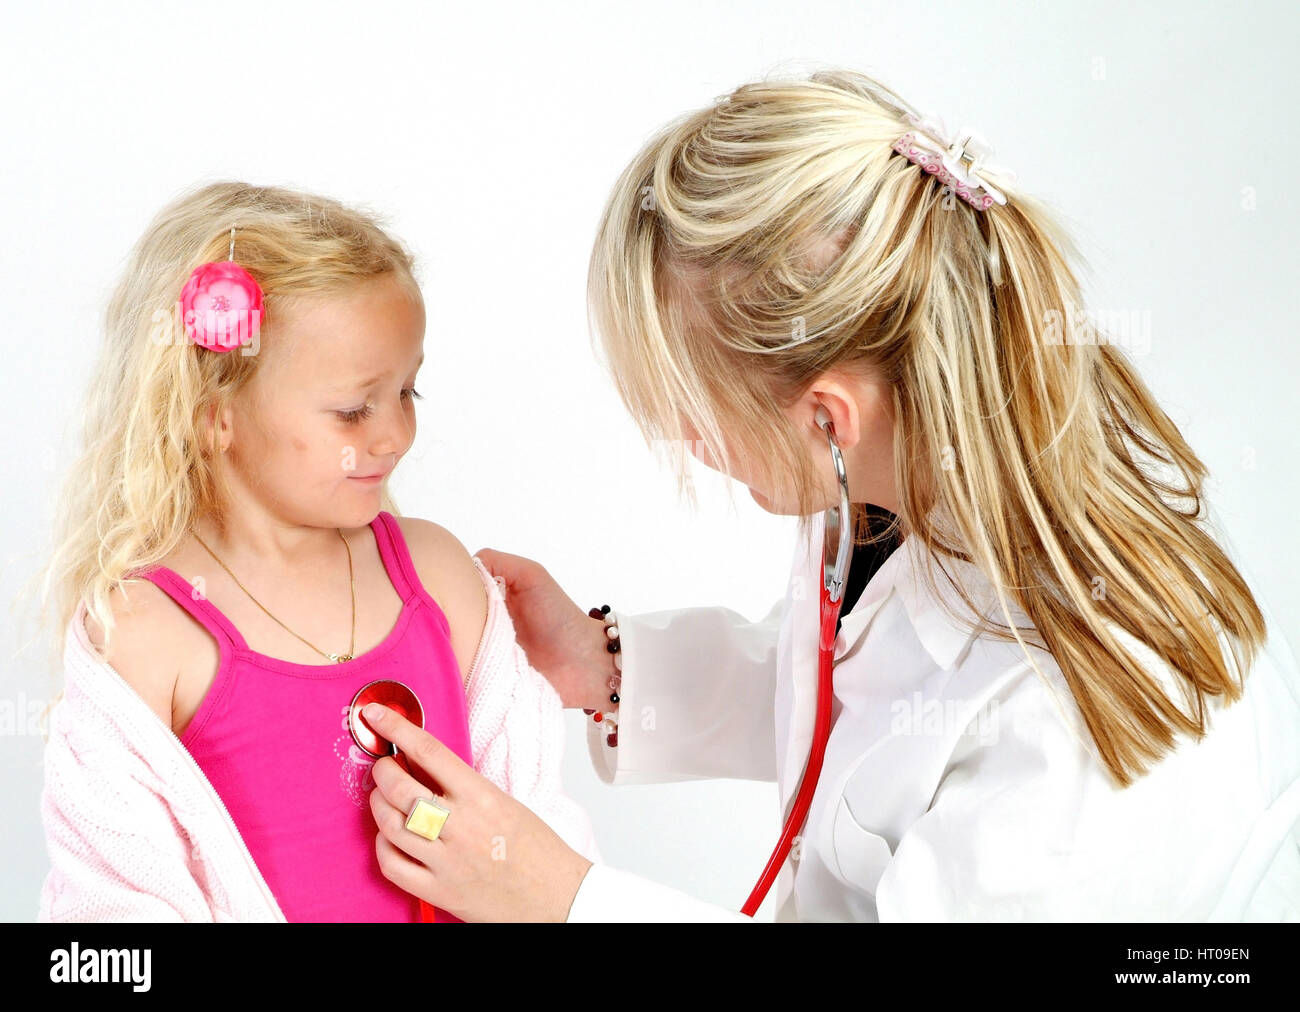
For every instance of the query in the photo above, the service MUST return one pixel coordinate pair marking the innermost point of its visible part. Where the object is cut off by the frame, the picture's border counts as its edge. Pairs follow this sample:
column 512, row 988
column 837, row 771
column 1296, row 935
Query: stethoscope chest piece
column 391, row 694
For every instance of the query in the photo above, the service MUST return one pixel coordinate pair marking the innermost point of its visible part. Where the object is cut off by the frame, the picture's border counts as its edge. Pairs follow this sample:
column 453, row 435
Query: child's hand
column 493, row 860
column 561, row 640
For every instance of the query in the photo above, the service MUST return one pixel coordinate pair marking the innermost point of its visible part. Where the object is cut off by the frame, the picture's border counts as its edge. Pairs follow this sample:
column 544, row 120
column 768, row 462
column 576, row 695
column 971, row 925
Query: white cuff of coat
column 637, row 758
column 612, row 895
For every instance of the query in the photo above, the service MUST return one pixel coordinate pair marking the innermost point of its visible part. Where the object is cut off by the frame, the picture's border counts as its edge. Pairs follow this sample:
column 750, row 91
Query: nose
column 393, row 433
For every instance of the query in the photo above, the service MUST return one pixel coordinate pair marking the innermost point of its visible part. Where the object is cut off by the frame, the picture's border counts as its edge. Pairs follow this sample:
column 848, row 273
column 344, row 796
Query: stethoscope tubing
column 835, row 566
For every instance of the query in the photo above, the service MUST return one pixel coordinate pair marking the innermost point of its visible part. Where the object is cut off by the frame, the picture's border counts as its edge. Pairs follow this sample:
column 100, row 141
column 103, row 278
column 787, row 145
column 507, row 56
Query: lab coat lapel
column 901, row 574
column 796, row 702
column 797, row 711
column 797, row 692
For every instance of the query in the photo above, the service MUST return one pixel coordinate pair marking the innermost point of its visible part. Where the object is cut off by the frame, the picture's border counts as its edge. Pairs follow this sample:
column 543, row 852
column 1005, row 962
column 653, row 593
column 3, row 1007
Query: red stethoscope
column 837, row 553
column 395, row 696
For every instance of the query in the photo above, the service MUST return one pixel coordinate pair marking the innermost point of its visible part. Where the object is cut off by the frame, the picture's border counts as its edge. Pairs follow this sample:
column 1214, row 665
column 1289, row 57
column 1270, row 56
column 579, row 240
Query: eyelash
column 358, row 414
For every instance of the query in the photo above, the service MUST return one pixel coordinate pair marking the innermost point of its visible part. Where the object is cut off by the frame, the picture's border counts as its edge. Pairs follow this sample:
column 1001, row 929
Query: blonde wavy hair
column 1021, row 444
column 144, row 473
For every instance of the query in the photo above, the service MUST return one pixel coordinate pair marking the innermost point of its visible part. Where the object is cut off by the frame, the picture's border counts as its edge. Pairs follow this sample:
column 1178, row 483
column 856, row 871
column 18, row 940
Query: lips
column 368, row 477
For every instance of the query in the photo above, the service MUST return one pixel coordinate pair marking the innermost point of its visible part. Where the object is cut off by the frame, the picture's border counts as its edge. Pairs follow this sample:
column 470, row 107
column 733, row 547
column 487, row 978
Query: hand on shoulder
column 449, row 576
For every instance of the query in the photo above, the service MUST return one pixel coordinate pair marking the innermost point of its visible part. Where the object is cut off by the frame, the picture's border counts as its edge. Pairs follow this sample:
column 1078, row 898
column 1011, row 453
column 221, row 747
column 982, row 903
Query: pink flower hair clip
column 221, row 305
column 958, row 160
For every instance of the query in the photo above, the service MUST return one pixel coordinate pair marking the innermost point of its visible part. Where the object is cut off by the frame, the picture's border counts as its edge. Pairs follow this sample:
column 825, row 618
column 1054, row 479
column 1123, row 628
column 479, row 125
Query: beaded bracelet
column 616, row 679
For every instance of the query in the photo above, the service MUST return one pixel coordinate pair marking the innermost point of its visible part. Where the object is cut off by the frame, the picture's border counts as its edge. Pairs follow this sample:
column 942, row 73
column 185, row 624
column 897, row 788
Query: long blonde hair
column 143, row 475
column 1022, row 444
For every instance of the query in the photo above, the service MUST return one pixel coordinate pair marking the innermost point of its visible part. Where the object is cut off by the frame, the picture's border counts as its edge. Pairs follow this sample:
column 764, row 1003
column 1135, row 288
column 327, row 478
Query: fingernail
column 373, row 711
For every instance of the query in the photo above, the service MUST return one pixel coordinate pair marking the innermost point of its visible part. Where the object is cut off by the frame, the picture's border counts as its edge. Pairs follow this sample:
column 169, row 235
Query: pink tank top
column 272, row 737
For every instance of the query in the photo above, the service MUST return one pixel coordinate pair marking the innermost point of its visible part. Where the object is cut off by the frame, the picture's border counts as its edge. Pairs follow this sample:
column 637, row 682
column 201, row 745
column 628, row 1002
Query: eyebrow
column 365, row 384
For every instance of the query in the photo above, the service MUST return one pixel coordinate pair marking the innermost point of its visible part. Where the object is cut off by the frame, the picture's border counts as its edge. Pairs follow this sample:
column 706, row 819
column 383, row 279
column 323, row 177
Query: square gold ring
column 426, row 818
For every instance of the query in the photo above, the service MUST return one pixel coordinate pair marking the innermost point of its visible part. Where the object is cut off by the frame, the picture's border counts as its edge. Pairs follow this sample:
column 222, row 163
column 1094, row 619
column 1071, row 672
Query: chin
column 767, row 504
column 761, row 499
column 359, row 514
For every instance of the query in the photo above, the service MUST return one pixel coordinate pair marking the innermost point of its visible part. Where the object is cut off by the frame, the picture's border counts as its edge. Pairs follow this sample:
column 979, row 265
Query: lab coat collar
column 944, row 636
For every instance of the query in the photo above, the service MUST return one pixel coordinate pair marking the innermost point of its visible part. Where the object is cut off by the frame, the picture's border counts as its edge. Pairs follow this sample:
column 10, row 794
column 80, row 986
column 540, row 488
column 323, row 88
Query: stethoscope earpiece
column 838, row 530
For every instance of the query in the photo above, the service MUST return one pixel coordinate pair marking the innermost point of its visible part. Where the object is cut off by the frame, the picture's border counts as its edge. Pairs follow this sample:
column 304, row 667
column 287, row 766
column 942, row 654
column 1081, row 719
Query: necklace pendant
column 339, row 658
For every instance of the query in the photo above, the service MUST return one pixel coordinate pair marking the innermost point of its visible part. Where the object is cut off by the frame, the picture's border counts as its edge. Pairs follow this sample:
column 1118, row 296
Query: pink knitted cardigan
column 136, row 832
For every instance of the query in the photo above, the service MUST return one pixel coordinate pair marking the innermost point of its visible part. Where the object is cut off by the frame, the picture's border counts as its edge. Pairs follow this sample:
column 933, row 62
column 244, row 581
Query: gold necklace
column 340, row 658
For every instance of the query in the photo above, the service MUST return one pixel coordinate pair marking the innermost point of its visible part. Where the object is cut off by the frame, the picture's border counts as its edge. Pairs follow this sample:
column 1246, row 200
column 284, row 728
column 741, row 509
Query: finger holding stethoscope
column 491, row 857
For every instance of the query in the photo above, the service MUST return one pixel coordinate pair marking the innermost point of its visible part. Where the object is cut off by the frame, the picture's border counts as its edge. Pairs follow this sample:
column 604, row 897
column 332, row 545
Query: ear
column 217, row 429
column 832, row 395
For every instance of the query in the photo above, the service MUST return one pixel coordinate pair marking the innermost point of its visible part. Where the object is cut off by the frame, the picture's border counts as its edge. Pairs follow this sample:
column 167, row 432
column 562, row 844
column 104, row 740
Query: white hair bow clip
column 957, row 160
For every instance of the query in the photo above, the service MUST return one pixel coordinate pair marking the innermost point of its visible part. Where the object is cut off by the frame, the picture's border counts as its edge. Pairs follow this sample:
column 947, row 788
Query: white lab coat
column 955, row 785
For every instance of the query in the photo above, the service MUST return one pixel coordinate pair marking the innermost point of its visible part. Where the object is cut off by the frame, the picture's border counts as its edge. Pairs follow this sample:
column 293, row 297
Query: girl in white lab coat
column 1055, row 697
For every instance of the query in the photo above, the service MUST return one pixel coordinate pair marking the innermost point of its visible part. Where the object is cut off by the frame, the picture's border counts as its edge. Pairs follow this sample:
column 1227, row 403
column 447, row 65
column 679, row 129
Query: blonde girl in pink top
column 230, row 540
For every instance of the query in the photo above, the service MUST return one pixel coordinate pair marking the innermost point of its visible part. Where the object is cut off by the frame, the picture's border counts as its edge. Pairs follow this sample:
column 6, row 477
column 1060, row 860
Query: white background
column 489, row 136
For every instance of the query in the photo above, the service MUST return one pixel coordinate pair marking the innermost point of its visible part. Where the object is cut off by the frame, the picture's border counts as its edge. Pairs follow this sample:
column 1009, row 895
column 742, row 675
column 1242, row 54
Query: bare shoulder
column 450, row 577
column 152, row 637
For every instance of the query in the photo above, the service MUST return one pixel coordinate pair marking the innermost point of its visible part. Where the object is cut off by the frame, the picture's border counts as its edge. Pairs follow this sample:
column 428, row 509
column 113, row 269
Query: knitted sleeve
column 516, row 723
column 116, row 851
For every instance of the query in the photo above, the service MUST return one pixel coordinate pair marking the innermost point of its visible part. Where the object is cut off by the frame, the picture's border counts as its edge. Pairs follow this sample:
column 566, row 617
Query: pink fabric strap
column 188, row 597
column 396, row 556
